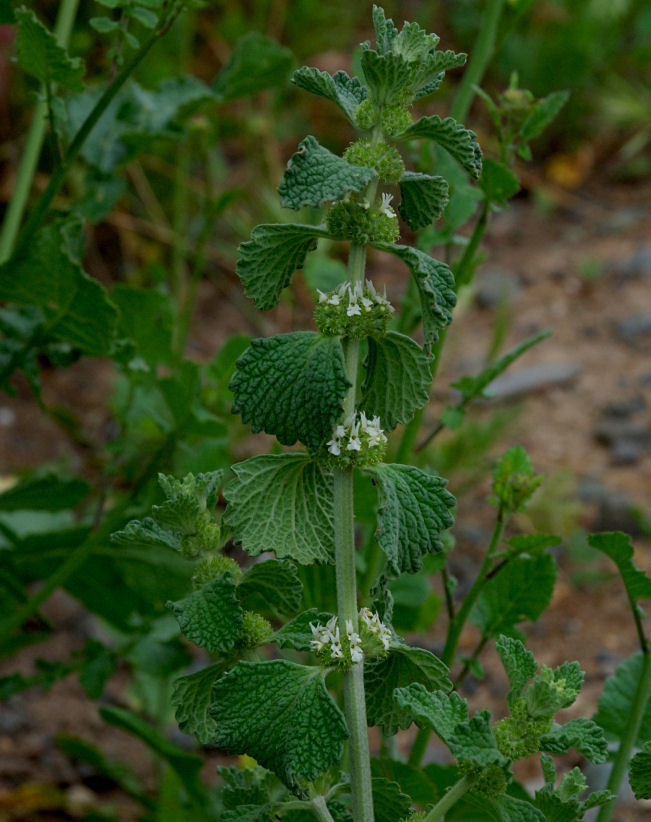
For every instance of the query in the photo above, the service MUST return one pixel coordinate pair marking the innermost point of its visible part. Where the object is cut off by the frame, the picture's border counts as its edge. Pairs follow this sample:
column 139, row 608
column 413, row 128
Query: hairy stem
column 444, row 804
column 34, row 143
column 354, row 697
column 321, row 809
column 642, row 695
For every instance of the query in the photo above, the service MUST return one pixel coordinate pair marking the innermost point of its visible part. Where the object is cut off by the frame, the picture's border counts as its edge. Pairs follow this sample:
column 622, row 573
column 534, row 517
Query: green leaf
column 144, row 16
column 519, row 664
column 267, row 261
column 583, row 734
column 44, row 493
column 40, row 55
column 271, row 588
column 514, row 480
column 347, row 92
column 297, row 633
column 554, row 689
column 48, row 274
column 397, row 381
column 389, row 802
column 104, row 25
column 422, row 198
column 619, row 548
column 282, row 503
column 520, row 591
column 385, row 31
column 510, row 809
column 191, row 696
column 146, row 318
column 473, row 741
column 212, row 616
column 402, row 666
column 281, row 714
column 292, row 385
column 7, row 14
column 639, row 773
column 617, row 698
column 413, row 510
column 542, row 114
column 435, row 286
column 498, row 182
column 388, row 76
column 437, row 710
column 315, row 175
column 256, row 63
column 473, row 387
column 185, row 764
column 459, row 142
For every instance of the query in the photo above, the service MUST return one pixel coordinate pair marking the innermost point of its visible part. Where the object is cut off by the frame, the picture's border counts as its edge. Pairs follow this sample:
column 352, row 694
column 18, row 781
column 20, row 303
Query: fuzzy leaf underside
column 403, row 666
column 519, row 664
column 618, row 547
column 39, row 54
column 583, row 734
column 639, row 774
column 520, row 591
column 315, row 175
column 297, row 633
column 271, row 588
column 191, row 696
column 282, row 503
column 459, row 142
column 212, row 616
column 386, row 75
column 291, row 385
column 435, row 284
column 347, row 92
column 256, row 63
column 268, row 260
column 281, row 714
column 413, row 510
column 616, row 701
column 398, row 379
column 423, row 198
column 437, row 710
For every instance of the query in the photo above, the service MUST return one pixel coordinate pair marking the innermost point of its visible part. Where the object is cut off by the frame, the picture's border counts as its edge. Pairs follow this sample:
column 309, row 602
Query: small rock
column 637, row 265
column 625, row 408
column 627, row 441
column 626, row 452
column 631, row 328
column 614, row 510
column 536, row 378
column 495, row 285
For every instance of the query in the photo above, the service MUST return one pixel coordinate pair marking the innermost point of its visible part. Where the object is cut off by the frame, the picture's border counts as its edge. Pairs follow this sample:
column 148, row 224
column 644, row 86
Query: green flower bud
column 489, row 781
column 518, row 738
column 356, row 221
column 367, row 115
column 214, row 567
column 206, row 538
column 359, row 441
column 385, row 159
column 255, row 630
column 395, row 119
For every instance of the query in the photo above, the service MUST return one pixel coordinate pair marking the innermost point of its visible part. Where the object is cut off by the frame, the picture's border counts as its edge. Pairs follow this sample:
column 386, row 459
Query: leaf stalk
column 448, row 800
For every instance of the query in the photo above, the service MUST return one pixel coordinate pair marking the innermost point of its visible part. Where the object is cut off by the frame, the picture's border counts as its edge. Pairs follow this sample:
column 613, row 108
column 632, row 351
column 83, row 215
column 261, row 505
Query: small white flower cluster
column 358, row 297
column 355, row 432
column 327, row 638
column 385, row 207
column 376, row 627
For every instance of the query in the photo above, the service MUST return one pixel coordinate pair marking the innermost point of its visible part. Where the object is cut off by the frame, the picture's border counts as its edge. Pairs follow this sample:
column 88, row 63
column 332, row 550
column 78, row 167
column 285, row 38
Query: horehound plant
column 339, row 391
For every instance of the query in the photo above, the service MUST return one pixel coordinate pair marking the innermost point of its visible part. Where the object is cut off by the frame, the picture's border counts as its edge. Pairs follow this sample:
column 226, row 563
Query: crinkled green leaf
column 21, row 331
column 498, row 182
column 347, row 92
column 191, row 696
column 389, row 802
column 281, row 714
column 387, row 76
column 519, row 664
column 553, row 689
column 459, row 142
column 542, row 114
column 473, row 387
column 40, row 55
column 413, row 510
column 430, row 72
column 422, row 198
column 511, row 809
column 48, row 492
column 315, row 175
column 271, row 588
column 398, row 379
column 595, row 800
column 639, row 773
column 616, row 701
column 297, row 633
column 256, row 63
column 267, row 261
column 435, row 284
column 402, row 666
column 282, row 503
column 292, row 385
column 48, row 274
column 619, row 548
column 211, row 617
column 583, row 734
column 437, row 710
column 473, row 741
column 520, row 591
column 414, row 43
column 385, row 30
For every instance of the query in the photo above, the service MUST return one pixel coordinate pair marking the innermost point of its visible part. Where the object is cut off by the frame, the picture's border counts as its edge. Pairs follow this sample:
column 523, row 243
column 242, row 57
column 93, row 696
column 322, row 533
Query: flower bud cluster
column 518, row 735
column 489, row 781
column 358, row 441
column 393, row 119
column 356, row 311
column 385, row 159
column 375, row 634
column 348, row 648
column 354, row 219
column 213, row 567
column 255, row 630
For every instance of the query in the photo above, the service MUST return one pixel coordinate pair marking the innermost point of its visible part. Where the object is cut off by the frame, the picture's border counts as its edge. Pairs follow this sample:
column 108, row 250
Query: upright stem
column 354, row 697
column 34, row 143
column 321, row 809
column 449, row 799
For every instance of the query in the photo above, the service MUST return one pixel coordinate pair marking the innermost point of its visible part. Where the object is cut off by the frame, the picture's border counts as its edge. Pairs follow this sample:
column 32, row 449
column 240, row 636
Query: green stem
column 60, row 172
column 642, row 695
column 354, row 697
column 481, row 55
column 449, row 799
column 34, row 143
column 321, row 809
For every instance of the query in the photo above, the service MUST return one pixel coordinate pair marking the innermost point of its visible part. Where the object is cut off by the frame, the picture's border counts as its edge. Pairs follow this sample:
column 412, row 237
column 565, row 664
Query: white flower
column 356, row 654
column 334, row 299
column 340, row 431
column 353, row 309
column 385, row 208
column 322, row 295
column 334, row 447
column 354, row 444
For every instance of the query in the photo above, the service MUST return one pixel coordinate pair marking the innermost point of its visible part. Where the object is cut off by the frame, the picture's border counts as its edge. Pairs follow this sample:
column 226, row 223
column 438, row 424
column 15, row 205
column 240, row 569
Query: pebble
column 638, row 264
column 625, row 408
column 535, row 378
column 634, row 326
